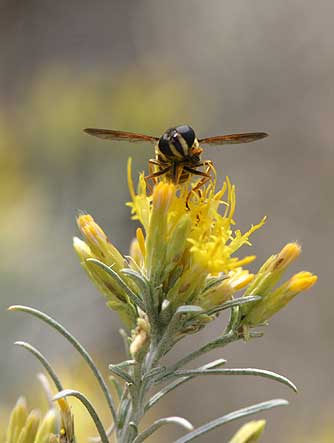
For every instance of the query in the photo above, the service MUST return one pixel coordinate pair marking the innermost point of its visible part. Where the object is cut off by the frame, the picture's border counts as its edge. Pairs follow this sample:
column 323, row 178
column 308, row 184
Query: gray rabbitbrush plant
column 182, row 271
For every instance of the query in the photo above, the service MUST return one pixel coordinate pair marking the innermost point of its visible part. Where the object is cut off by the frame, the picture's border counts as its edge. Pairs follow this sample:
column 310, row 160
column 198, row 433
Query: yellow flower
column 188, row 237
column 28, row 427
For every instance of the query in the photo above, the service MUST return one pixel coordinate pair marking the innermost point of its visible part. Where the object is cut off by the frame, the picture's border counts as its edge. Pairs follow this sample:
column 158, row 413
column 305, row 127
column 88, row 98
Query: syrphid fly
column 178, row 151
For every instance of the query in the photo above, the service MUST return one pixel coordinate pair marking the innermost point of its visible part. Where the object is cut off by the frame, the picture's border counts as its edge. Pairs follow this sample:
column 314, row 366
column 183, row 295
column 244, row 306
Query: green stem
column 140, row 389
column 142, row 381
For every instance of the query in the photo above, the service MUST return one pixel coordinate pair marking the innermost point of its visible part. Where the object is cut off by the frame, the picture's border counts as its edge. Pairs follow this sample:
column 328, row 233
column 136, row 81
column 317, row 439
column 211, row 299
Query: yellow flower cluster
column 188, row 240
column 192, row 222
column 30, row 427
column 56, row 426
column 186, row 250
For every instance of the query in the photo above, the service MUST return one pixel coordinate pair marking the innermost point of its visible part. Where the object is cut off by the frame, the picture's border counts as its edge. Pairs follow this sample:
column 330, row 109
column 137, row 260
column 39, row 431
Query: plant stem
column 143, row 381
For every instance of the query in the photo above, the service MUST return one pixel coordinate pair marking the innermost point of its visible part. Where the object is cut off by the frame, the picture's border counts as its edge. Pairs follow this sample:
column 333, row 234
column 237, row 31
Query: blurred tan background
column 221, row 66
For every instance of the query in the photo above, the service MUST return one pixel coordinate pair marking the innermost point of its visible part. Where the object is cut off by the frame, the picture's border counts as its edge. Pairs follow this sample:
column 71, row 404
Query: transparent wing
column 110, row 134
column 233, row 138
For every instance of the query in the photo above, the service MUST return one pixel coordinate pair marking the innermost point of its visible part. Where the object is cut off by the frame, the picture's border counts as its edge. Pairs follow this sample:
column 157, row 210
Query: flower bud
column 250, row 432
column 156, row 241
column 116, row 297
column 178, row 240
column 141, row 241
column 301, row 281
column 17, row 420
column 67, row 420
column 82, row 249
column 277, row 299
column 135, row 252
column 98, row 242
column 272, row 270
column 236, row 280
column 47, row 427
column 288, row 254
column 28, row 432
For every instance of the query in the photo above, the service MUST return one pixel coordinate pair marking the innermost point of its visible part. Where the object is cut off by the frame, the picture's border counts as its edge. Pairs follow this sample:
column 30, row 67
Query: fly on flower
column 178, row 151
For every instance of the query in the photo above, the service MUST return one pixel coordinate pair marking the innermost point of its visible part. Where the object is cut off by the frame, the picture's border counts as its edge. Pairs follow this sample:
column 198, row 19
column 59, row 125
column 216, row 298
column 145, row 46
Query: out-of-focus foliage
column 320, row 430
column 75, row 375
column 42, row 138
column 61, row 103
column 43, row 149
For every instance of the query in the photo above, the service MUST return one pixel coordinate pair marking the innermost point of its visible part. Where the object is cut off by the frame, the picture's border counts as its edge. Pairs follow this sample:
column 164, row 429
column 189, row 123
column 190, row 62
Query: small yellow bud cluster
column 29, row 427
column 97, row 246
column 273, row 300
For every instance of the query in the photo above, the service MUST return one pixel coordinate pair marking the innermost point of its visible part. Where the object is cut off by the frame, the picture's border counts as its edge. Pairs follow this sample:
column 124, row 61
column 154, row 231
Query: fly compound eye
column 187, row 133
column 164, row 144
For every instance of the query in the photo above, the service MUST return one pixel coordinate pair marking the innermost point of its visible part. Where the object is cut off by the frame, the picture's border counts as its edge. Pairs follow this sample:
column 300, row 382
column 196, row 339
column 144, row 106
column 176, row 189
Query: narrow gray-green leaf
column 172, row 328
column 76, row 344
column 122, row 412
column 232, row 303
column 48, row 367
column 117, row 385
column 156, row 397
column 231, row 417
column 137, row 278
column 213, row 282
column 210, row 346
column 125, row 364
column 122, row 374
column 154, row 372
column 189, row 309
column 109, row 431
column 235, row 371
column 133, row 297
column 84, row 400
column 163, row 421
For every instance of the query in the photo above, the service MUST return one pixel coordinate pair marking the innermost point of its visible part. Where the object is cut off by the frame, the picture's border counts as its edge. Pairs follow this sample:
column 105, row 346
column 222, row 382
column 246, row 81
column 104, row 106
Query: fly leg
column 154, row 175
column 151, row 179
column 206, row 176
